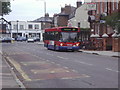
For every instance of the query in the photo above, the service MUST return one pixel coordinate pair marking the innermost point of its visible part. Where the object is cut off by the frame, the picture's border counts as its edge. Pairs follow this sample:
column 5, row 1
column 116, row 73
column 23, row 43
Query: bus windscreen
column 69, row 37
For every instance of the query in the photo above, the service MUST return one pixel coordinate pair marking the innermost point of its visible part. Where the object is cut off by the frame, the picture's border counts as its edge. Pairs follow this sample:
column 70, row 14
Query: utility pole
column 17, row 30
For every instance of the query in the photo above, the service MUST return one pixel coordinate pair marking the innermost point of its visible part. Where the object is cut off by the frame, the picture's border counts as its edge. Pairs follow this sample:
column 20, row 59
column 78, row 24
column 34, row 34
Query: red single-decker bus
column 62, row 38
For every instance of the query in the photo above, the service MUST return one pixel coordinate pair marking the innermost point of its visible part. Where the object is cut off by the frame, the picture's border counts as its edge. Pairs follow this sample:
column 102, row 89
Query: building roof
column 64, row 13
column 43, row 19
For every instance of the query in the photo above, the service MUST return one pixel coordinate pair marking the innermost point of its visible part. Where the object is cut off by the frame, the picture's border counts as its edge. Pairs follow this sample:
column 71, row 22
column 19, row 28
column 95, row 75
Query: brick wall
column 116, row 44
column 62, row 21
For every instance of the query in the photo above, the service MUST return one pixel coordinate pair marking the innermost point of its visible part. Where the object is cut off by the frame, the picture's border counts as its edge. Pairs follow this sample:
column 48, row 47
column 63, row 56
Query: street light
column 17, row 29
column 44, row 13
column 44, row 9
column 44, row 6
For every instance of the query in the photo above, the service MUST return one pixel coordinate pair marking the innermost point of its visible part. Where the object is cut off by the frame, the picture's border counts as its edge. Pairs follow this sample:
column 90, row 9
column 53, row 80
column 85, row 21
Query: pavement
column 105, row 53
column 8, row 78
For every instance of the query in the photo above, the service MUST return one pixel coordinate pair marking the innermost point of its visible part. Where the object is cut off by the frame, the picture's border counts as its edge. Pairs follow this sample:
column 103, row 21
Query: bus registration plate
column 69, row 47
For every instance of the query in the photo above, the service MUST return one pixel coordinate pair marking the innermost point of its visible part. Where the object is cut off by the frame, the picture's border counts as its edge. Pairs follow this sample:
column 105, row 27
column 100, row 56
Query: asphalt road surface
column 37, row 67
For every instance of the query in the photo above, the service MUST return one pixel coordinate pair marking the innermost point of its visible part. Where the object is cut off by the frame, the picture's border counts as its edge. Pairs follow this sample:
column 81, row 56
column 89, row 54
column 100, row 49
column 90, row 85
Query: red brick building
column 62, row 18
column 102, row 33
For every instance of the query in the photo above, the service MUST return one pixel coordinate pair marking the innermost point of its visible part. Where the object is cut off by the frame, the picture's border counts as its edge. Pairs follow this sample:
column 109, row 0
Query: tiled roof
column 44, row 19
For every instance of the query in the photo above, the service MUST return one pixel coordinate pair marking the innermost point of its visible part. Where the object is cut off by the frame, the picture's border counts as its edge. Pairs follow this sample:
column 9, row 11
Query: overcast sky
column 26, row 10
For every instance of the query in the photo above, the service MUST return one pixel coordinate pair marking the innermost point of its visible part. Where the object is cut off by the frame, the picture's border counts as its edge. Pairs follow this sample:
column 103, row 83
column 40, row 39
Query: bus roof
column 60, row 29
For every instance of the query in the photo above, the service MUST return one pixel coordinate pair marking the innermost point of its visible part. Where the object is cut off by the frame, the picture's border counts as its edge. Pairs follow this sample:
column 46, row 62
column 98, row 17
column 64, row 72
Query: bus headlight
column 61, row 44
column 77, row 44
column 74, row 45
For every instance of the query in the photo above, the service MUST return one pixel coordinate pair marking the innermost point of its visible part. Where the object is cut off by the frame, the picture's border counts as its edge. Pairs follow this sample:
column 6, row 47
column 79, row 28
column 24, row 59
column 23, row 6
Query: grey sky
column 33, row 9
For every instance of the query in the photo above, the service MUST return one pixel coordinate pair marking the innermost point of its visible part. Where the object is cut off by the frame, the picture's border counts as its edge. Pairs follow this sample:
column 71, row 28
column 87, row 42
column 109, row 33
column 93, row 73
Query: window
column 69, row 36
column 105, row 6
column 30, row 26
column 36, row 26
column 101, row 7
column 79, row 24
column 15, row 26
column 113, row 6
column 116, row 4
column 21, row 27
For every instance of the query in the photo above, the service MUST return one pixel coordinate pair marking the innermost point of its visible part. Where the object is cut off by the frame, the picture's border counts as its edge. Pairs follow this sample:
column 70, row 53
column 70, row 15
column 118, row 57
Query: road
column 37, row 67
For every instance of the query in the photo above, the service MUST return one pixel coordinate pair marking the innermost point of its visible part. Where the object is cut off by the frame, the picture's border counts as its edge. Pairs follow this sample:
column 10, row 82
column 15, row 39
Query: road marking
column 47, row 60
column 74, row 71
column 9, row 74
column 18, row 68
column 53, row 62
column 49, row 54
column 58, row 64
column 112, row 70
column 34, row 62
column 61, row 57
column 50, row 70
column 81, row 76
column 16, row 53
column 83, row 63
column 66, row 67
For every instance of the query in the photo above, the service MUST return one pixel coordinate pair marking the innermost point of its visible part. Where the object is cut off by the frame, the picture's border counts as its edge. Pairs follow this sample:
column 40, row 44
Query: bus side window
column 44, row 36
column 56, row 36
column 60, row 35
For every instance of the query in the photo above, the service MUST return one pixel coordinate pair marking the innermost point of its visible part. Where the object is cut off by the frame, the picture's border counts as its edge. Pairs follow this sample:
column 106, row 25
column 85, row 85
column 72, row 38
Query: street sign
column 91, row 6
column 102, row 21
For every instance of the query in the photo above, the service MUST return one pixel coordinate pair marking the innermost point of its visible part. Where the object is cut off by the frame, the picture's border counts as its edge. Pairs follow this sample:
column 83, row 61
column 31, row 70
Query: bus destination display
column 69, row 29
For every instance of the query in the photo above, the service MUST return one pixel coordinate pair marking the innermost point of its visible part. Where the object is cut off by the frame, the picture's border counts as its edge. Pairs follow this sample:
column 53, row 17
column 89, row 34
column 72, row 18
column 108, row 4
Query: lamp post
column 44, row 13
column 44, row 6
column 17, row 29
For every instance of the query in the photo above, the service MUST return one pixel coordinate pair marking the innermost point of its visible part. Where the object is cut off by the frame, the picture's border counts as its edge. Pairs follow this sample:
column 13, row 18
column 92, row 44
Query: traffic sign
column 91, row 6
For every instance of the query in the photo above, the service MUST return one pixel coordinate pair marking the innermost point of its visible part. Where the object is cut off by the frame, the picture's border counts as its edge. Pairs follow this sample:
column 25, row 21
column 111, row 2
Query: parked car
column 1, row 39
column 36, row 39
column 21, row 39
column 7, row 39
column 30, row 39
column 13, row 39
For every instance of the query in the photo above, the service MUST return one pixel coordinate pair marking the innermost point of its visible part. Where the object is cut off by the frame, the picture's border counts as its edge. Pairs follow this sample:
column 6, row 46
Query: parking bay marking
column 68, row 73
column 58, row 72
column 50, row 70
column 18, row 68
column 34, row 63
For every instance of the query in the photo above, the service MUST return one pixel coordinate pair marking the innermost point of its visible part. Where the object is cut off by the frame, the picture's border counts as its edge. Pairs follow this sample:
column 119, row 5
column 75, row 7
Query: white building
column 26, row 29
column 80, row 18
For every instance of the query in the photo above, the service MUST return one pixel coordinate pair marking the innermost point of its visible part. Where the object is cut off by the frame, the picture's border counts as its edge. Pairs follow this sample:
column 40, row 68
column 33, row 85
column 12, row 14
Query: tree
column 6, row 8
column 113, row 20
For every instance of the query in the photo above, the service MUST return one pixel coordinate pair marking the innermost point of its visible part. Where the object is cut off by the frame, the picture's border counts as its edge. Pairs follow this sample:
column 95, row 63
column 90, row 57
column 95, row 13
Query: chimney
column 62, row 9
column 79, row 3
column 46, row 15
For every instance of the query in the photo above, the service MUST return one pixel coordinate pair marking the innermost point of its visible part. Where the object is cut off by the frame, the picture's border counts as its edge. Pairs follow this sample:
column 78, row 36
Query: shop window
column 30, row 26
column 21, row 27
column 15, row 26
column 36, row 26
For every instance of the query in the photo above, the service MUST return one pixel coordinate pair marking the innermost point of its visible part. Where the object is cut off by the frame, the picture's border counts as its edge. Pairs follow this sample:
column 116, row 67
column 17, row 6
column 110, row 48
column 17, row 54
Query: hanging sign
column 91, row 6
